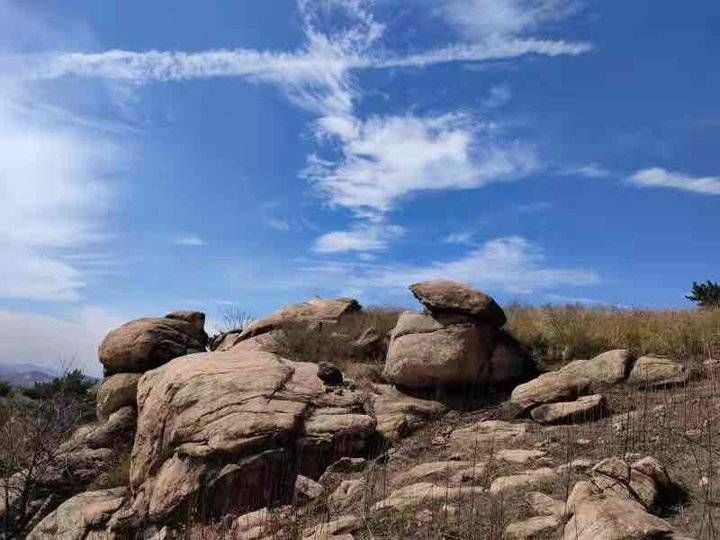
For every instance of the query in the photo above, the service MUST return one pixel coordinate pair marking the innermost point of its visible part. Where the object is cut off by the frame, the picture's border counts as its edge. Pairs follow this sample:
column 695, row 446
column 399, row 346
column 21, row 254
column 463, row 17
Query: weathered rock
column 651, row 467
column 613, row 519
column 241, row 425
column 346, row 494
column 116, row 392
column 307, row 490
column 544, row 505
column 452, row 355
column 329, row 374
column 531, row 528
column 442, row 296
column 414, row 494
column 584, row 408
column 434, row 470
column 344, row 465
column 534, row 479
column 398, row 415
column 81, row 516
column 195, row 318
column 471, row 439
column 548, row 388
column 118, row 428
column 333, row 529
column 654, row 371
column 369, row 344
column 231, row 340
column 610, row 367
column 312, row 313
column 518, row 455
column 144, row 344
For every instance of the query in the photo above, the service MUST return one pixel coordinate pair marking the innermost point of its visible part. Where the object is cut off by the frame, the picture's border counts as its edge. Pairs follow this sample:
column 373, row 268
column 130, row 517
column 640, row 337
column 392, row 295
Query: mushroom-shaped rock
column 444, row 296
column 312, row 313
column 144, row 344
column 233, row 429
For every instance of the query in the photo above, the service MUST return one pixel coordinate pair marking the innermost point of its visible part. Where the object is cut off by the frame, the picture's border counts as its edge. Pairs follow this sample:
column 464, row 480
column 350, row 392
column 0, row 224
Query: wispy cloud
column 511, row 265
column 589, row 170
column 498, row 96
column 497, row 19
column 462, row 238
column 657, row 177
column 387, row 158
column 367, row 237
column 190, row 240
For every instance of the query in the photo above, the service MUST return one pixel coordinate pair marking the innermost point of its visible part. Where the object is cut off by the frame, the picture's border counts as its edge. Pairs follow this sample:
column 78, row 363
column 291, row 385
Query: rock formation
column 457, row 343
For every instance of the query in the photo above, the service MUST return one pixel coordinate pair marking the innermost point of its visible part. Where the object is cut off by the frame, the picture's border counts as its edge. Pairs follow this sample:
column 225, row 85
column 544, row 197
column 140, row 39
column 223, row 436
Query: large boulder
column 582, row 409
column 443, row 296
column 116, row 392
column 610, row 367
column 229, row 431
column 425, row 353
column 144, row 344
column 656, row 371
column 312, row 313
column 81, row 517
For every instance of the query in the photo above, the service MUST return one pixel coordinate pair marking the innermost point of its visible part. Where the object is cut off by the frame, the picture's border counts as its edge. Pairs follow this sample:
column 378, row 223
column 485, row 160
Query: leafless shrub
column 30, row 460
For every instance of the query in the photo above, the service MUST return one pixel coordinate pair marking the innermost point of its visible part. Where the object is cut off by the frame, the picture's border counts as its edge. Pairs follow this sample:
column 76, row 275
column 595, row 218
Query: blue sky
column 163, row 155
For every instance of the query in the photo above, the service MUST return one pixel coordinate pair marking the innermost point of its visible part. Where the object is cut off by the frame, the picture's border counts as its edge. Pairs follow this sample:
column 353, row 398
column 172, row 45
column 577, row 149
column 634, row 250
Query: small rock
column 609, row 367
column 544, row 505
column 548, row 388
column 331, row 529
column 531, row 528
column 346, row 493
column 531, row 479
column 519, row 456
column 329, row 374
column 585, row 408
column 307, row 490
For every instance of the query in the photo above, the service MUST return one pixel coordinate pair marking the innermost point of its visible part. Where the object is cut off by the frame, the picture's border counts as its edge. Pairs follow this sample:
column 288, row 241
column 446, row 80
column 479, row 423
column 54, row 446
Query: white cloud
column 493, row 19
column 373, row 237
column 498, row 96
column 58, row 343
column 463, row 237
column 657, row 177
column 511, row 265
column 277, row 224
column 387, row 158
column 590, row 170
column 190, row 240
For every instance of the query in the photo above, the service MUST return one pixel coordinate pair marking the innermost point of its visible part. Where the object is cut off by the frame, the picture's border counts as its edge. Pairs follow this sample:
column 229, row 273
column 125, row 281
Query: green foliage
column 5, row 389
column 705, row 295
column 73, row 383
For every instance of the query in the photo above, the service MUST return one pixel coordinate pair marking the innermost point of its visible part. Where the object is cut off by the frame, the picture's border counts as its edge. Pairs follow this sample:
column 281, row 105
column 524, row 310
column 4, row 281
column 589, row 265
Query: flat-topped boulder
column 311, row 313
column 444, row 296
column 144, row 344
column 233, row 429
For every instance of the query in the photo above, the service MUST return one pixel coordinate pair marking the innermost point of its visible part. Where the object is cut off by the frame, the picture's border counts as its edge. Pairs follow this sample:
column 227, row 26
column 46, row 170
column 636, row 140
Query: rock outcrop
column 312, row 313
column 457, row 343
column 209, row 423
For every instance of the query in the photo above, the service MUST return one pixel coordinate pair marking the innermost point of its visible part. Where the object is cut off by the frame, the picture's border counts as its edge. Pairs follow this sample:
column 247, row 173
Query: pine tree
column 705, row 295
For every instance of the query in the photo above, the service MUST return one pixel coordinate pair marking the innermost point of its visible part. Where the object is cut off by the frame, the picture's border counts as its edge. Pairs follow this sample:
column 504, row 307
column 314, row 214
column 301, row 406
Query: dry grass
column 570, row 332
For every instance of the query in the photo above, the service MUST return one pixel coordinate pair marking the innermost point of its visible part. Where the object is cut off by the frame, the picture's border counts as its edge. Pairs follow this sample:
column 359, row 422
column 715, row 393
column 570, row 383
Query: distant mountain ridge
column 25, row 375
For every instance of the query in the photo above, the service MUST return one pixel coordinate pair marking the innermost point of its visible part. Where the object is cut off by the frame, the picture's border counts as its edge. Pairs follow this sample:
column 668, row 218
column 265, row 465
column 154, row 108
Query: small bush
column 5, row 389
